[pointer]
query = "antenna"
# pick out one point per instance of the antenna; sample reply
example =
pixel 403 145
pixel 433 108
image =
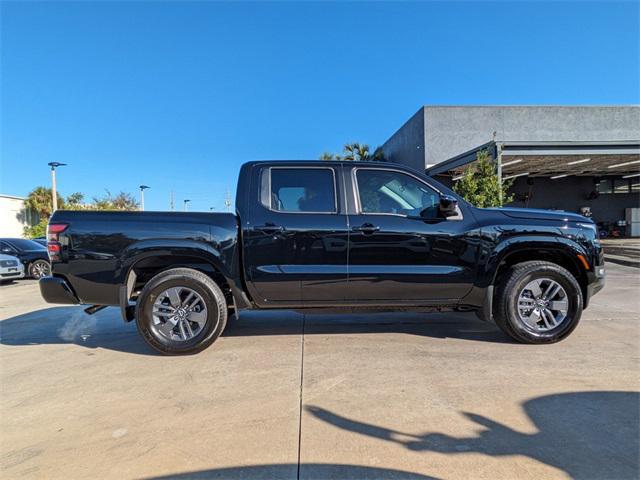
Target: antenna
pixel 171 205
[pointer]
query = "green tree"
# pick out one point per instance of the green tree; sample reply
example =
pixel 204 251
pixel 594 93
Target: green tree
pixel 378 155
pixel 329 156
pixel 37 230
pixel 39 200
pixel 121 201
pixel 480 184
pixel 355 152
pixel 74 201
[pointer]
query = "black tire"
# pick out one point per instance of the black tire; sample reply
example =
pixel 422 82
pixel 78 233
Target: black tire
pixel 39 269
pixel 506 302
pixel 211 295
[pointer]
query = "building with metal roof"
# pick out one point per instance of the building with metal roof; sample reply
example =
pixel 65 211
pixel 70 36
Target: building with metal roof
pixel 582 158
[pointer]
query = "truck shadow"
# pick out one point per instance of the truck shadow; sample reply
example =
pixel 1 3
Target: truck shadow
pixel 105 329
pixel 464 326
pixel 70 325
pixel 585 434
pixel 309 471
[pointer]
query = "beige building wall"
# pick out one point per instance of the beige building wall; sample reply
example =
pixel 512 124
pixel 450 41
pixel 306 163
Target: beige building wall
pixel 14 216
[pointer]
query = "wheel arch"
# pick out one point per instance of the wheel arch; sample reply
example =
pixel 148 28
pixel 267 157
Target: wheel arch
pixel 561 254
pixel 141 262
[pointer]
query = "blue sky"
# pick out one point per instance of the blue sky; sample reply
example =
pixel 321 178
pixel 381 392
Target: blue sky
pixel 178 95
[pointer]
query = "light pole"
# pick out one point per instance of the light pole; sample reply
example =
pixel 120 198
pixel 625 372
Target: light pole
pixel 54 193
pixel 142 189
pixel 185 204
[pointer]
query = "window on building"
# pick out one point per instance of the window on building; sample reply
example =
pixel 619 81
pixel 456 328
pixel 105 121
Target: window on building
pixel 621 186
pixel 301 190
pixel 605 186
pixel 384 191
pixel 617 185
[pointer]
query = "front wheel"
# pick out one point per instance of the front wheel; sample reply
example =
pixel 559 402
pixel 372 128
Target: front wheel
pixel 39 269
pixel 538 302
pixel 181 311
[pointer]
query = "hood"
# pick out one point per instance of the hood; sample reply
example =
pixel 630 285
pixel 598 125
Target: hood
pixel 540 214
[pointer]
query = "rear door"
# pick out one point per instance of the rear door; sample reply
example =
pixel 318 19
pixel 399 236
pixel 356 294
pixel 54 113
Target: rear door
pixel 397 256
pixel 295 243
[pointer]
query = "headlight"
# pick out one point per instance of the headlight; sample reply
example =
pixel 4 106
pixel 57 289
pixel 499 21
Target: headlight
pixel 590 226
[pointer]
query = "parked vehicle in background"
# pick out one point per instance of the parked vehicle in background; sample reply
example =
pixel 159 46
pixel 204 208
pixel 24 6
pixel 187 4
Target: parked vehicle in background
pixel 329 234
pixel 41 240
pixel 31 254
pixel 11 268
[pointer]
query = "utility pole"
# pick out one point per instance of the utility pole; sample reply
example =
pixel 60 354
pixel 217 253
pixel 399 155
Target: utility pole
pixel 142 189
pixel 54 192
pixel 171 205
pixel 227 200
pixel 185 204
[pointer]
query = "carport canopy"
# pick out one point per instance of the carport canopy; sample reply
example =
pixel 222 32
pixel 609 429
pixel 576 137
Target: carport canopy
pixel 551 159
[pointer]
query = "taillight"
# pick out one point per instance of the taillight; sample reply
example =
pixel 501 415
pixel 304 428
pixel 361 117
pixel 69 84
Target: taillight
pixel 53 239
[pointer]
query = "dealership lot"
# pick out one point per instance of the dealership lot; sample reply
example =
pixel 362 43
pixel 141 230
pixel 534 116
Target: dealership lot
pixel 286 395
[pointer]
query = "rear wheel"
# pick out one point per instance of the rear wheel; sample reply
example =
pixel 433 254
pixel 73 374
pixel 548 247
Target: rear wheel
pixel 181 311
pixel 538 302
pixel 39 269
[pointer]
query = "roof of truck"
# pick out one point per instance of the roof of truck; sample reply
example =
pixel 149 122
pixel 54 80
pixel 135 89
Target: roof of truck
pixel 330 162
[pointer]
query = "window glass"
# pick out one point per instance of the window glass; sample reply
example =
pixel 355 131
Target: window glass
pixel 621 186
pixel 22 244
pixel 5 248
pixel 383 191
pixel 605 186
pixel 302 190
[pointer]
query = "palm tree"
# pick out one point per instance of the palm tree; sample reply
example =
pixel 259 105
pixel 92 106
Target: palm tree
pixel 40 201
pixel 356 152
pixel 330 156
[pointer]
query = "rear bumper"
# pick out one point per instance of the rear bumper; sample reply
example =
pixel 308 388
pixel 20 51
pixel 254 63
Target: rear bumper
pixel 56 290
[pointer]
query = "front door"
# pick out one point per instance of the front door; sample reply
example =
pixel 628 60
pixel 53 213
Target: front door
pixel 400 250
pixel 296 245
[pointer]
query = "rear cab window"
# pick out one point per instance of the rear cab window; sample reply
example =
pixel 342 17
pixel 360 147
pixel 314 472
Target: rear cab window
pixel 299 189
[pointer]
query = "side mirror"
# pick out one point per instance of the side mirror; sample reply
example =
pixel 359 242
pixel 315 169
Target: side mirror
pixel 448 206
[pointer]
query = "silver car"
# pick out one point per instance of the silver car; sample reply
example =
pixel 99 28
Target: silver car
pixel 10 268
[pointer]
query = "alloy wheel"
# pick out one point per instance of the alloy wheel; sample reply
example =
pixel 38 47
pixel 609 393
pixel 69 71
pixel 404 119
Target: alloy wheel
pixel 39 269
pixel 179 313
pixel 543 304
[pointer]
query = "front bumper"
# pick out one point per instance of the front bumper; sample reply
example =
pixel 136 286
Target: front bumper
pixel 57 290
pixel 596 283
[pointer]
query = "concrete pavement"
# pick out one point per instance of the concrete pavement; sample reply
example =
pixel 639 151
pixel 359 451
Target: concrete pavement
pixel 282 395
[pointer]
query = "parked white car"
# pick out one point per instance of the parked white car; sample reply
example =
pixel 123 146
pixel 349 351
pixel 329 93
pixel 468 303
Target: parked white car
pixel 11 268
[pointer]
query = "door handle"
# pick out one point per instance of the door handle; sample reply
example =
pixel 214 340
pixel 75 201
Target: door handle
pixel 269 228
pixel 366 228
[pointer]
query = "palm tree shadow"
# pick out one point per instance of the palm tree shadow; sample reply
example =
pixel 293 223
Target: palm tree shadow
pixel 586 434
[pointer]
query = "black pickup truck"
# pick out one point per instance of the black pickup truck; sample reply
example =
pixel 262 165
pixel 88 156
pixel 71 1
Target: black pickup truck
pixel 311 234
